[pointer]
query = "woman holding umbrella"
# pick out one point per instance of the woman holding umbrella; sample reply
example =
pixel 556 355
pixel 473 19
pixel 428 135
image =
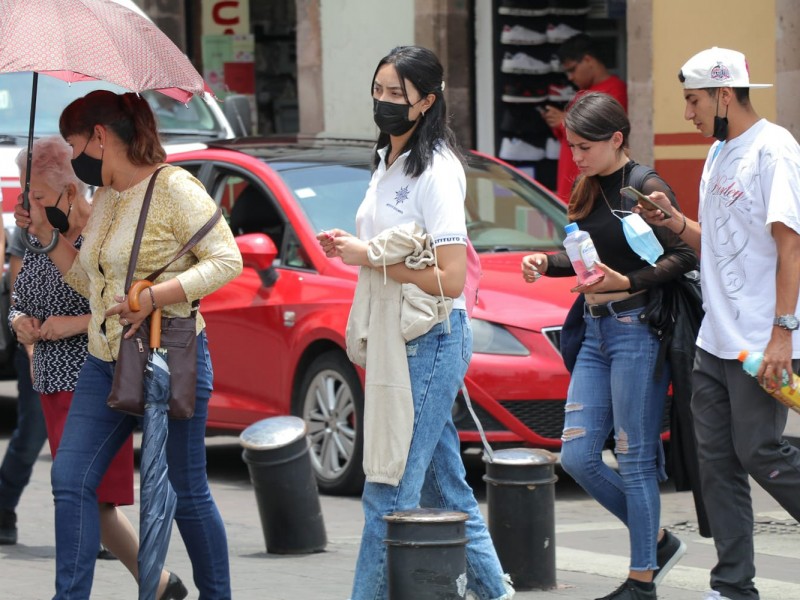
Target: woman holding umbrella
pixel 116 148
pixel 51 318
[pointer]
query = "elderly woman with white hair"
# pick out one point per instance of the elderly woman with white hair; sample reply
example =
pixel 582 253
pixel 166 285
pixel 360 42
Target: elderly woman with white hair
pixel 50 317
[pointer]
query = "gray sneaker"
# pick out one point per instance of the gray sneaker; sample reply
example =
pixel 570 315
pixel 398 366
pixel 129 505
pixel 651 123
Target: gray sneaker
pixel 8 527
pixel 669 551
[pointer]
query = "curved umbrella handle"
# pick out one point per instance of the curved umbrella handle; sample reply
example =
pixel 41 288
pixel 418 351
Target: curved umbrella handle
pixel 155 318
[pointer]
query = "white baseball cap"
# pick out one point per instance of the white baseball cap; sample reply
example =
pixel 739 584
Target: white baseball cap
pixel 717 67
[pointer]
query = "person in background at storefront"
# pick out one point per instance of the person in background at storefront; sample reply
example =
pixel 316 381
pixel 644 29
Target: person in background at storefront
pixel 584 66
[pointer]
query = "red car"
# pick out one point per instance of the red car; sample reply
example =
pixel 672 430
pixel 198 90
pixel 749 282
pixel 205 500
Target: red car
pixel 277 332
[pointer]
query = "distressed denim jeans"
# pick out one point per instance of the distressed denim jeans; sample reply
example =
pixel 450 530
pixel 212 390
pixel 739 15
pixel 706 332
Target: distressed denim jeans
pixel 613 389
pixel 92 435
pixel 434 476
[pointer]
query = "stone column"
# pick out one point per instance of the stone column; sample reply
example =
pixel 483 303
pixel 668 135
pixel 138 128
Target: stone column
pixel 787 69
pixel 445 27
pixel 639 24
pixel 310 95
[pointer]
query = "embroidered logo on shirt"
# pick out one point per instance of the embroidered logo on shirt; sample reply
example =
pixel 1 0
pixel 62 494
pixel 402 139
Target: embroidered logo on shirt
pixel 401 195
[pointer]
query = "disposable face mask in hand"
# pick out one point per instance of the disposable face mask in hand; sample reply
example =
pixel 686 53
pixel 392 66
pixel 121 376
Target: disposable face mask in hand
pixel 641 238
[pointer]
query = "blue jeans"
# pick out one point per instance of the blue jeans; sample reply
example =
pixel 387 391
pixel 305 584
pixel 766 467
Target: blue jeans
pixel 613 388
pixel 92 435
pixel 434 476
pixel 27 440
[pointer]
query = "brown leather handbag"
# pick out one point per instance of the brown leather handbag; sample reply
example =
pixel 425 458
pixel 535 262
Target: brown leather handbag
pixel 178 336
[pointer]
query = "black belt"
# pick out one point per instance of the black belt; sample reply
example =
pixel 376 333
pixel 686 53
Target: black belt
pixel 604 310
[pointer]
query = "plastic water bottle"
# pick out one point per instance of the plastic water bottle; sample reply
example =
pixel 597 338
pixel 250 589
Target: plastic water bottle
pixel 582 254
pixel 751 361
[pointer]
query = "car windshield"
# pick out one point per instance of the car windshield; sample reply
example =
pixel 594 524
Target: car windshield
pixel 505 211
pixel 176 121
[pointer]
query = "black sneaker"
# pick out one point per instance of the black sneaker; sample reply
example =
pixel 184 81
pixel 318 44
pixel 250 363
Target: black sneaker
pixel 105 554
pixel 669 551
pixel 8 527
pixel 630 591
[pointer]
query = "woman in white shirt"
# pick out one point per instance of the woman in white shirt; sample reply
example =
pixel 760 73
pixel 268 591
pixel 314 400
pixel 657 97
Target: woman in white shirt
pixel 419 178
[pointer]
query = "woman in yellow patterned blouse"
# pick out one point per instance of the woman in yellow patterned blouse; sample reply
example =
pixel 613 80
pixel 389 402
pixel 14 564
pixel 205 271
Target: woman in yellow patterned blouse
pixel 116 148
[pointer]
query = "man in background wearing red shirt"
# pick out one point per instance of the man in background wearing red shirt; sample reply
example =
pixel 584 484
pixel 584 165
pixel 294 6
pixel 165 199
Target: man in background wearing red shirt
pixel 580 59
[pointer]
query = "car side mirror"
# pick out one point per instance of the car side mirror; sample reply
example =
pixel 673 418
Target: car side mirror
pixel 236 108
pixel 258 251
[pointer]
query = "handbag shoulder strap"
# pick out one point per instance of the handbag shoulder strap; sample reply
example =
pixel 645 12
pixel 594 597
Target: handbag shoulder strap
pixel 137 239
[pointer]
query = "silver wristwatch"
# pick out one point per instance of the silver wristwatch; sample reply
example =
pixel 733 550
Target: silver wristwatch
pixel 789 322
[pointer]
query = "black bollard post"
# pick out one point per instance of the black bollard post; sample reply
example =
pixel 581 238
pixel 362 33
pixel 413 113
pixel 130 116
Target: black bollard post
pixel 426 556
pixel 520 496
pixel 276 453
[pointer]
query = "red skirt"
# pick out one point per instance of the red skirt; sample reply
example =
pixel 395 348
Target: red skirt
pixel 116 487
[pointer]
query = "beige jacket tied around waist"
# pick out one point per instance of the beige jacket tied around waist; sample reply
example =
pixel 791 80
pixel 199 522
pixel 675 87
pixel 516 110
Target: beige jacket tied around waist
pixel 390 314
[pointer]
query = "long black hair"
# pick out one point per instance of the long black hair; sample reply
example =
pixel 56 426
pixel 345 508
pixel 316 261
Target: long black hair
pixel 422 68
pixel 596 117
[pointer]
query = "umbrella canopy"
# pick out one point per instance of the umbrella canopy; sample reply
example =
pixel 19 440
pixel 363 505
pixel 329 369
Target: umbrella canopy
pixel 78 40
pixel 157 502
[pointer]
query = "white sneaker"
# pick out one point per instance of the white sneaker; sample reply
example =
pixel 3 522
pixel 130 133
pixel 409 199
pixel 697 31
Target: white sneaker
pixel 519 150
pixel 555 63
pixel 714 595
pixel 560 93
pixel 552 149
pixel 521 36
pixel 560 33
pixel 522 63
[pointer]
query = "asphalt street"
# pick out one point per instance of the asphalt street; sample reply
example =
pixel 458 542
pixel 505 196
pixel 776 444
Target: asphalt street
pixel 591 546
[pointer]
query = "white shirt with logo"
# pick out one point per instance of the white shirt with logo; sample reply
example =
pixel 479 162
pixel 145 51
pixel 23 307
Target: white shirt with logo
pixel 748 183
pixel 434 200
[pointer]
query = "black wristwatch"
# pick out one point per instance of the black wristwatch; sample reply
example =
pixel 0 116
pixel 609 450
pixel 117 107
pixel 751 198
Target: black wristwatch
pixel 789 322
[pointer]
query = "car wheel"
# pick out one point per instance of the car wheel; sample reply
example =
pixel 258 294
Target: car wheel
pixel 332 405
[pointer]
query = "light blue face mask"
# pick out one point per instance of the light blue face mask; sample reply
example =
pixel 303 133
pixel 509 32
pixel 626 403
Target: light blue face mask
pixel 640 237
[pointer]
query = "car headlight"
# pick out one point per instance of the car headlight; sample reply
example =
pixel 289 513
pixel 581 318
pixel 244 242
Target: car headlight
pixel 490 338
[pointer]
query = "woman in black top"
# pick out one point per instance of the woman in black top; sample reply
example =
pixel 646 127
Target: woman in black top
pixel 615 385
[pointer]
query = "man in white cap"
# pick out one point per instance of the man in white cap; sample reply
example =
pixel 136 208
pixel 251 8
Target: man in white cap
pixel 750 252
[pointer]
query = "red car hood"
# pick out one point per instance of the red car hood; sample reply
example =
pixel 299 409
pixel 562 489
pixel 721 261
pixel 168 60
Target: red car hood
pixel 505 298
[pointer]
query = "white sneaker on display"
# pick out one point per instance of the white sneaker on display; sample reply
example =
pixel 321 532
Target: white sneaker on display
pixel 522 63
pixel 519 150
pixel 521 36
pixel 560 93
pixel 552 149
pixel 560 33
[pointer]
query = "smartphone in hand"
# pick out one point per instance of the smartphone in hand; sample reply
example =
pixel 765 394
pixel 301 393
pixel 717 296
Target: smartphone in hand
pixel 633 194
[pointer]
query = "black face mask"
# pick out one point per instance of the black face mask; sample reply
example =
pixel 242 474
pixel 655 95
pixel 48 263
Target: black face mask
pixel 57 217
pixel 89 170
pixel 391 118
pixel 720 124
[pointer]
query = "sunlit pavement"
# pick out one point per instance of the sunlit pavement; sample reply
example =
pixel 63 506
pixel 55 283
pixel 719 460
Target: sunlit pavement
pixel 591 551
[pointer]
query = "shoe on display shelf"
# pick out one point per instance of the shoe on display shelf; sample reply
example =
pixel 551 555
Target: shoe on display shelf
pixel 521 36
pixel 518 94
pixel 524 8
pixel 569 7
pixel 515 149
pixel 525 64
pixel 556 34
pixel 552 149
pixel 560 92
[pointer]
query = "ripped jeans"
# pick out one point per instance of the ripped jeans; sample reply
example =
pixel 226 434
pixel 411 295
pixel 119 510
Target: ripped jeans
pixel 613 388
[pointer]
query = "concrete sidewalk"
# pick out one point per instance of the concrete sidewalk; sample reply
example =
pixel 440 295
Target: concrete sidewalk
pixel 591 553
